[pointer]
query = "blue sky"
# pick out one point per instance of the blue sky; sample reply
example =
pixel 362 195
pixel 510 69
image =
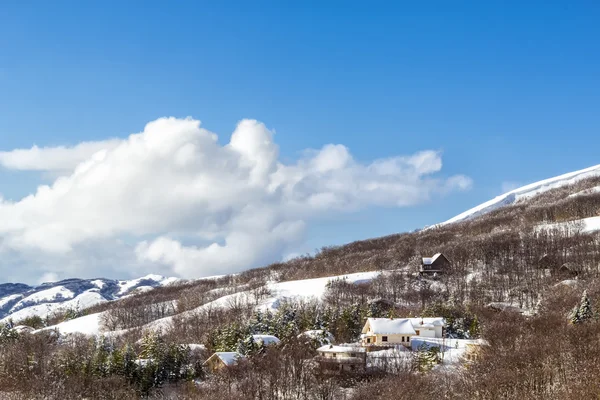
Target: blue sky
pixel 508 91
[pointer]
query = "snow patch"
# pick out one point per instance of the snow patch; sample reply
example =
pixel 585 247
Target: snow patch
pixel 5 300
pixel 49 295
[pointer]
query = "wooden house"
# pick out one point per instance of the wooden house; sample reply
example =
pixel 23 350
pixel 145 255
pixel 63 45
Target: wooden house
pixel 436 265
pixel 222 359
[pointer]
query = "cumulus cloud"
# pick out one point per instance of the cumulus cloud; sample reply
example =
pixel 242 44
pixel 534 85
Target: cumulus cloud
pixel 171 198
pixel 58 158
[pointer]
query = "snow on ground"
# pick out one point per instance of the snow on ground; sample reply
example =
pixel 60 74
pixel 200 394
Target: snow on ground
pixel 308 288
pixel 395 358
pixel 125 286
pixel 526 192
pixel 88 325
pixel 585 225
pixel 280 291
pixel 568 282
pixel 586 192
pixel 5 300
pixel 98 283
pixel 52 294
pixel 473 276
pixel 453 350
pixel 84 300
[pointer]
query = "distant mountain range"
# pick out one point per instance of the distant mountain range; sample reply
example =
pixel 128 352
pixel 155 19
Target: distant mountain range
pixel 19 301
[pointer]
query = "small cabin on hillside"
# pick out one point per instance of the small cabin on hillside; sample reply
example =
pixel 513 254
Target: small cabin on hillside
pixel 438 264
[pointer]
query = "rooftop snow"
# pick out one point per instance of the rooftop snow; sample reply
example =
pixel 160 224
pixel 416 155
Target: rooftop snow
pixel 229 357
pixel 431 260
pixel 400 326
pixel 266 339
pixel 329 348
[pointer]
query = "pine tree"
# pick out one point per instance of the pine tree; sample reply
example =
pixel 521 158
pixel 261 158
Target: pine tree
pixel 583 312
pixel 7 334
pixel 248 346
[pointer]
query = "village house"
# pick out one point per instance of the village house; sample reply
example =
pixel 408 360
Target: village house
pixel 338 359
pixel 399 331
pixel 436 265
pixel 222 359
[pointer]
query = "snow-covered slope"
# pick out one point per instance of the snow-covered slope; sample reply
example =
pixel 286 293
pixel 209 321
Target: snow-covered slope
pixel 19 301
pixel 526 192
pixel 279 292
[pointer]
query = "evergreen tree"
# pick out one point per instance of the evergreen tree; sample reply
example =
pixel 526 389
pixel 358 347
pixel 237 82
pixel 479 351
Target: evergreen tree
pixel 7 334
pixel 583 312
pixel 248 346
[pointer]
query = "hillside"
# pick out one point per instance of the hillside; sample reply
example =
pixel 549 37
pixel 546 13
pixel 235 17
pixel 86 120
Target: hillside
pixel 576 195
pixel 531 254
pixel 529 191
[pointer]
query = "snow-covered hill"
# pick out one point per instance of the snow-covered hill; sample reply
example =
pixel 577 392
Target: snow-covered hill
pixel 20 301
pixel 279 292
pixel 527 192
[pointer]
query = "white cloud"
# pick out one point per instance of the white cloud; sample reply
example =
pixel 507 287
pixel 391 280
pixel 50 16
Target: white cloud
pixel 132 203
pixel 58 158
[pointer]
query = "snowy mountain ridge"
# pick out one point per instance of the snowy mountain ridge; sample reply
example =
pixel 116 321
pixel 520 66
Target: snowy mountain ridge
pixel 19 301
pixel 526 192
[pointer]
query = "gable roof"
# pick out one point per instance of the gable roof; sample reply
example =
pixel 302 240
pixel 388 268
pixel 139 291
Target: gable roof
pixel 431 260
pixel 228 358
pixel 401 326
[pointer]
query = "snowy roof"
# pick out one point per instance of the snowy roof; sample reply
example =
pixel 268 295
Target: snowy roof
pixel 329 348
pixel 427 322
pixel 431 260
pixel 266 339
pixel 228 357
pixel 402 326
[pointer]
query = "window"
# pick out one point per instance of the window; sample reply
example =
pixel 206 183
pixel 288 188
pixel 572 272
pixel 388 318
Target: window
pixel 418 333
pixel 402 339
pixel 384 338
pixel 368 340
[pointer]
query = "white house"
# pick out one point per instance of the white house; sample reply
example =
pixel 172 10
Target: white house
pixel 428 327
pixel 399 331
